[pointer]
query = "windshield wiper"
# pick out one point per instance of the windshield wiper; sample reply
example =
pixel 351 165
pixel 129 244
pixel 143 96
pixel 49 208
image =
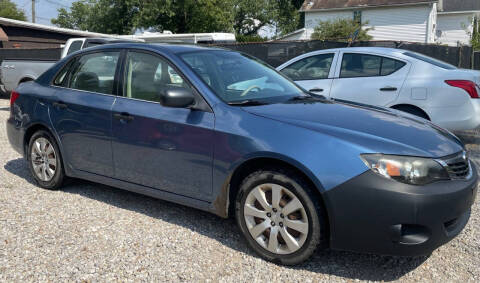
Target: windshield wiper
pixel 247 102
pixel 308 97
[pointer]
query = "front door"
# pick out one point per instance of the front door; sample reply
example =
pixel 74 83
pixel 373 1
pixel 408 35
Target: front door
pixel 81 111
pixel 164 148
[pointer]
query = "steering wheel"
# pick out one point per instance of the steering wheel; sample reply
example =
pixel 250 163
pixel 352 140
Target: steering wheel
pixel 250 89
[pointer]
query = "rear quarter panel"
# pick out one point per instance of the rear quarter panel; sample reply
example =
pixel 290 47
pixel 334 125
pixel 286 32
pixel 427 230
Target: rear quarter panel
pixel 431 78
pixel 425 88
pixel 30 109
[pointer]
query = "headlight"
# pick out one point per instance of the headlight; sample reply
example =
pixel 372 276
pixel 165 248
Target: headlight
pixel 406 169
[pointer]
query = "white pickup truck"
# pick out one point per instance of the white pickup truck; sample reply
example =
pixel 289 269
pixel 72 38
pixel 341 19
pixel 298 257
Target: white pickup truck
pixel 16 71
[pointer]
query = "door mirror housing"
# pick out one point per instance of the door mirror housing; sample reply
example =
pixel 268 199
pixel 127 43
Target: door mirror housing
pixel 178 97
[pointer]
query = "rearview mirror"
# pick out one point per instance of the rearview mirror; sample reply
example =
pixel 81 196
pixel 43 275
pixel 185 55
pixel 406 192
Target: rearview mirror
pixel 178 97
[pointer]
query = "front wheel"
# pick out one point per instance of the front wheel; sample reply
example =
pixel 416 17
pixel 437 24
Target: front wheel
pixel 279 216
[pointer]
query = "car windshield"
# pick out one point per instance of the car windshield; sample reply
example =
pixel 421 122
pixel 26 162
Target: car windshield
pixel 235 77
pixel 430 60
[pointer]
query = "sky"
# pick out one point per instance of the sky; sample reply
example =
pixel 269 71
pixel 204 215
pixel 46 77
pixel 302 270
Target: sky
pixel 45 9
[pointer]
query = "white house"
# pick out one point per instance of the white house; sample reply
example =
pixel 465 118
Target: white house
pixel 445 21
pixel 455 20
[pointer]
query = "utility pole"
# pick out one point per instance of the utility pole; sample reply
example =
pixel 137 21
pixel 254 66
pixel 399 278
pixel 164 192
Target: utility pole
pixel 33 11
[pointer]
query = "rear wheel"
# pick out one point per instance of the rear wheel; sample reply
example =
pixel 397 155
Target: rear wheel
pixel 279 216
pixel 44 160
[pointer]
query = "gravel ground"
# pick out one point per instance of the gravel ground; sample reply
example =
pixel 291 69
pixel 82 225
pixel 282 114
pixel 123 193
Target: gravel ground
pixel 90 232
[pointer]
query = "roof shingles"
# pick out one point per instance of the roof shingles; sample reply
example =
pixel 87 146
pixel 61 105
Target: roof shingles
pixel 339 4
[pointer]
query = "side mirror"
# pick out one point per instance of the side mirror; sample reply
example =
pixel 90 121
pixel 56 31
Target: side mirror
pixel 178 97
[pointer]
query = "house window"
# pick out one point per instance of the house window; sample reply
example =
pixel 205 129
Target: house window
pixel 357 17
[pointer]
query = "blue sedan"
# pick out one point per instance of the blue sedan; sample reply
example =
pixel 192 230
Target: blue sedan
pixel 223 132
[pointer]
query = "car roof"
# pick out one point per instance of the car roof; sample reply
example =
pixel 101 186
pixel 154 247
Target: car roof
pixel 384 50
pixel 164 47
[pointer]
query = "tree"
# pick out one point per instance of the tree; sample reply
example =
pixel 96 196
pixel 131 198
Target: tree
pixel 126 16
pixel 252 15
pixel 341 30
pixel 184 16
pixel 115 16
pixel 106 16
pixel 8 9
pixel 79 17
pixel 289 17
pixel 475 41
pixel 244 17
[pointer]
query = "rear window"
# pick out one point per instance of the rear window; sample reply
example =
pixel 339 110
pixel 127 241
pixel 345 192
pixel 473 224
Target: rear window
pixel 430 60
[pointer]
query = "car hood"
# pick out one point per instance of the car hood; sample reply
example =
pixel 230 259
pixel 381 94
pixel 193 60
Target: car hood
pixel 374 129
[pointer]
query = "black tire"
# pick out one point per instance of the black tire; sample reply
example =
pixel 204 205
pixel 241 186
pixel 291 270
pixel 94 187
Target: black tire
pixel 317 231
pixel 58 178
pixel 413 111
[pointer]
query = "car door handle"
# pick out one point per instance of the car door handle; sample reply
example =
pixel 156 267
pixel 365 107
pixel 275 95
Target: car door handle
pixel 316 90
pixel 388 88
pixel 60 105
pixel 123 116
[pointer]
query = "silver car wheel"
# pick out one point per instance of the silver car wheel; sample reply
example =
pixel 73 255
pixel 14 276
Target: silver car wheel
pixel 44 159
pixel 276 218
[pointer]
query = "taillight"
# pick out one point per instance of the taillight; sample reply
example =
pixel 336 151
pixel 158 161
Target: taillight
pixel 13 96
pixel 468 86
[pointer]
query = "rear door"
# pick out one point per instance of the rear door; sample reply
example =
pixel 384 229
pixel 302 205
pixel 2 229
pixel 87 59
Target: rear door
pixel 369 78
pixel 165 148
pixel 312 72
pixel 81 111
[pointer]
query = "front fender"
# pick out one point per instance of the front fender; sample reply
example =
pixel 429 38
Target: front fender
pixel 326 160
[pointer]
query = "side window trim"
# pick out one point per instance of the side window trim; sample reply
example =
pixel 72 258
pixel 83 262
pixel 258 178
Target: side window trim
pixel 201 101
pixel 118 78
pixel 340 61
pixel 76 57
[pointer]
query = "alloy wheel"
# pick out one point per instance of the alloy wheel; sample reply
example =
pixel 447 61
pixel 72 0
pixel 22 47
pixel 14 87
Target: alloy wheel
pixel 44 159
pixel 276 218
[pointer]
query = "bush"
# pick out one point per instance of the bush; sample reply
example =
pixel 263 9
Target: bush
pixel 341 30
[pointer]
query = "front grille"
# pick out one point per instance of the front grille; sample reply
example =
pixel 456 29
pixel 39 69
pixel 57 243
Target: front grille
pixel 458 165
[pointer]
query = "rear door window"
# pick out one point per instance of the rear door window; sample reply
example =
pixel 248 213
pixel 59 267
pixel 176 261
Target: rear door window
pixel 365 65
pixel 390 66
pixel 94 72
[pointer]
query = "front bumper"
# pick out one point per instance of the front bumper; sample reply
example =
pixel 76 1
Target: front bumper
pixel 375 215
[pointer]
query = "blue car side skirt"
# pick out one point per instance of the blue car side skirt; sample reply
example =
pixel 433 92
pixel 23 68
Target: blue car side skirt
pixel 155 193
